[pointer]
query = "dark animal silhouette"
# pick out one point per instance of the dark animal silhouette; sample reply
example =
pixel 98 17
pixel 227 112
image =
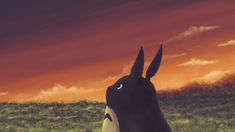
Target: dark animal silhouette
pixel 134 99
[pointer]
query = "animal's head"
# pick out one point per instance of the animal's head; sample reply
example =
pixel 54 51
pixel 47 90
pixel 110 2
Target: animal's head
pixel 133 91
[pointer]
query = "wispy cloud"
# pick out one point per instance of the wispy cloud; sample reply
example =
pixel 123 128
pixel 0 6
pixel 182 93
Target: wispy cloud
pixel 125 71
pixel 197 62
pixel 212 76
pixel 191 31
pixel 228 43
pixel 110 78
pixel 3 93
pixel 172 56
pixel 62 93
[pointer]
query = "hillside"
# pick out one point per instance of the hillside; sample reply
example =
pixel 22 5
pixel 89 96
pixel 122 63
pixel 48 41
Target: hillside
pixel 194 108
pixel 201 107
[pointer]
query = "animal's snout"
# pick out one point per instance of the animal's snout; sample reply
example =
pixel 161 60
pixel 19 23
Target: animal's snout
pixel 108 90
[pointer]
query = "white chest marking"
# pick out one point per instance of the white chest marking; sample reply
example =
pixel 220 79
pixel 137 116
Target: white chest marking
pixel 110 126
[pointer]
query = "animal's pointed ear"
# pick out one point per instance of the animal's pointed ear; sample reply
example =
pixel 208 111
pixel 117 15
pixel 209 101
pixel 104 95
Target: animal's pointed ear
pixel 153 67
pixel 138 66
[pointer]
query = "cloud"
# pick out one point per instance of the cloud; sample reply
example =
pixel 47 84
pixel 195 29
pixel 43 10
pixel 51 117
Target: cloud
pixel 198 62
pixel 125 71
pixel 191 31
pixel 62 93
pixel 172 56
pixel 213 76
pixel 110 78
pixel 3 93
pixel 228 43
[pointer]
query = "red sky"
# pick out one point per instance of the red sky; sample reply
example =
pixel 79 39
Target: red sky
pixel 71 50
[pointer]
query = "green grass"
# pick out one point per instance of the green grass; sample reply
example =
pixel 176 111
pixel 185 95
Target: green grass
pixel 201 114
pixel 196 108
pixel 194 114
pixel 59 117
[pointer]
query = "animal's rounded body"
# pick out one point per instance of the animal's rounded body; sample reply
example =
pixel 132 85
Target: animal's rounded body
pixel 133 103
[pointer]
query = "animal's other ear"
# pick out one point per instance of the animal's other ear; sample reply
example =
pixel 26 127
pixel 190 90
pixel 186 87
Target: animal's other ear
pixel 153 67
pixel 138 66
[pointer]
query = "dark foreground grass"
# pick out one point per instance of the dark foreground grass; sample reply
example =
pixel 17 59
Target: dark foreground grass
pixel 199 108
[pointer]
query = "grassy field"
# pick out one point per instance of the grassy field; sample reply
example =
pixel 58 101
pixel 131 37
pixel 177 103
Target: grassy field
pixel 196 108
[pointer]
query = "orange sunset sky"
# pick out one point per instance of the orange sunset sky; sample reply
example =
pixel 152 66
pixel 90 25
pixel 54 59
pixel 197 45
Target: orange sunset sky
pixel 72 50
